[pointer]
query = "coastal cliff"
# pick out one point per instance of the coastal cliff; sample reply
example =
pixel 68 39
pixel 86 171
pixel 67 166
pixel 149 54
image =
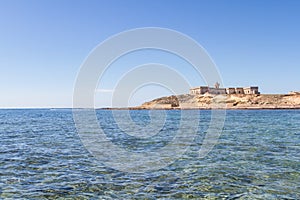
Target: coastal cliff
pixel 229 101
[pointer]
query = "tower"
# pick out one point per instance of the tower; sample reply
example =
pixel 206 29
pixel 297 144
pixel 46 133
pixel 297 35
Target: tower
pixel 217 85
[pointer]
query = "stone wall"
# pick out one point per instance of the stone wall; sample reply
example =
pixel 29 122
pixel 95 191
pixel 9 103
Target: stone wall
pixel 217 91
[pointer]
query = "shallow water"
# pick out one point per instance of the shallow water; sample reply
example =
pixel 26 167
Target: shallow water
pixel 257 157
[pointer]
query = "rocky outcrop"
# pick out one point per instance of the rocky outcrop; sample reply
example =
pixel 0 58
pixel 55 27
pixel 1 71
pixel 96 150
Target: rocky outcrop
pixel 230 101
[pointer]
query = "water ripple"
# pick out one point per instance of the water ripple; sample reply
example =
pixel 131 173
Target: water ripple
pixel 257 157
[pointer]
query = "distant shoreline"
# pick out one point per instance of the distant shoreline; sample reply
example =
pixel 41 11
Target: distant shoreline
pixel 133 108
pixel 207 102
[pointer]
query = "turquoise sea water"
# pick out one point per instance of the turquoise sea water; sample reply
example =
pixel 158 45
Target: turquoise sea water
pixel 257 157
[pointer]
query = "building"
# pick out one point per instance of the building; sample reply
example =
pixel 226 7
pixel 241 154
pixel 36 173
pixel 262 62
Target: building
pixel 239 90
pixel 230 90
pixel 218 90
pixel 251 90
pixel 199 90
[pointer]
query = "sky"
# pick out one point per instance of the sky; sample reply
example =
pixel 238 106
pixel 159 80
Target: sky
pixel 44 43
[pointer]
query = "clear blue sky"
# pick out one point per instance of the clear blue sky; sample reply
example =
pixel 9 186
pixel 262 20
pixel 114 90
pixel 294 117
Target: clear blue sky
pixel 43 43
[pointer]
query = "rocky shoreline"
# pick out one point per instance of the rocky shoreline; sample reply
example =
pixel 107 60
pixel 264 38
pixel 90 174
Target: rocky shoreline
pixel 229 101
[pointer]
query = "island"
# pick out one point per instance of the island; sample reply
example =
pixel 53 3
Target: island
pixel 205 97
pixel 228 101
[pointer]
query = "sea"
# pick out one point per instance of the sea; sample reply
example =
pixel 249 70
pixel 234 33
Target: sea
pixel 255 156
